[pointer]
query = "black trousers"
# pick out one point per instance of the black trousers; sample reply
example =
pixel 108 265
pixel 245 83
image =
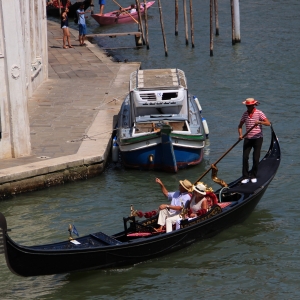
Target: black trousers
pixel 248 145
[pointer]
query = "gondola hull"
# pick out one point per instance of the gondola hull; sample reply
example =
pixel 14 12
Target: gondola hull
pixel 97 251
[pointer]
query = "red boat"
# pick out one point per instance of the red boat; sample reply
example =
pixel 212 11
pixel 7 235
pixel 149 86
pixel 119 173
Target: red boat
pixel 121 16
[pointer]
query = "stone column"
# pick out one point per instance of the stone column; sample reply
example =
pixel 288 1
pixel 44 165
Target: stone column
pixel 32 31
pixel 44 39
pixel 5 142
pixel 15 72
pixel 26 40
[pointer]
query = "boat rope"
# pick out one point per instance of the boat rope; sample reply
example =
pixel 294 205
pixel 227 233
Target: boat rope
pixel 126 12
pixel 114 99
pixel 92 137
pixel 85 136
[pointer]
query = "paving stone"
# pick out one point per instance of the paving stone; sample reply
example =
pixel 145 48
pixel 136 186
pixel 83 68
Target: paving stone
pixel 81 84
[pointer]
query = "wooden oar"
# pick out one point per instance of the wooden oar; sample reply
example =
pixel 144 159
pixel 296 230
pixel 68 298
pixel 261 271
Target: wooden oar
pixel 126 12
pixel 224 154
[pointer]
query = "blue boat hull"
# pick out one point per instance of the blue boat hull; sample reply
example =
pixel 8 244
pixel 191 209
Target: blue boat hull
pixel 140 159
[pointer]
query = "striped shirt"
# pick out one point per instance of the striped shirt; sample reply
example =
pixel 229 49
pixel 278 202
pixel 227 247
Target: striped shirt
pixel 249 121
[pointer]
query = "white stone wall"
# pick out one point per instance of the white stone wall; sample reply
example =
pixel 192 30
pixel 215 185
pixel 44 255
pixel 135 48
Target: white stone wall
pixel 23 67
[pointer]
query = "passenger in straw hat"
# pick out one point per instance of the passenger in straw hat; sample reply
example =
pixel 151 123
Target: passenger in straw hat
pixel 254 139
pixel 169 213
pixel 199 203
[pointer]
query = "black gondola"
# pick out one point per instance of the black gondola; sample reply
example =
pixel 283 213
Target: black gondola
pixel 138 241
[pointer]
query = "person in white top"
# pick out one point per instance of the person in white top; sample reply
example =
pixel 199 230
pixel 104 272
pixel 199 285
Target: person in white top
pixel 170 213
pixel 132 8
pixel 198 205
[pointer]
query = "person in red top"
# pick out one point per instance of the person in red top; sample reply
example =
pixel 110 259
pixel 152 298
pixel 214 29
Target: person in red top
pixel 254 138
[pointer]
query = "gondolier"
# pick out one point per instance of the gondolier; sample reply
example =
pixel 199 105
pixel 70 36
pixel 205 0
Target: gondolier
pixel 254 139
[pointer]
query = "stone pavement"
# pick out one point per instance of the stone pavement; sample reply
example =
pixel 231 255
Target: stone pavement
pixel 72 116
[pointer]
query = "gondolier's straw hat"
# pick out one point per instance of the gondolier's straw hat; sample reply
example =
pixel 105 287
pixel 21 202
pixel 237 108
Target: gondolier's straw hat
pixel 251 101
pixel 187 185
pixel 200 188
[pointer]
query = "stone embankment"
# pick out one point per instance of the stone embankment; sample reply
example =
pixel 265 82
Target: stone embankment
pixel 72 116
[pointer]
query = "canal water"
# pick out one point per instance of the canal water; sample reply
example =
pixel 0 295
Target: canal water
pixel 258 259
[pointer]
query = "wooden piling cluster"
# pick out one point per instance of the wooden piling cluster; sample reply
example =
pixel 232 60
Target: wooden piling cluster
pixel 235 21
pixel 143 38
pixel 213 10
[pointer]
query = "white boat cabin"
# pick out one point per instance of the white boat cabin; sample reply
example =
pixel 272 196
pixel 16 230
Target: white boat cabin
pixel 158 94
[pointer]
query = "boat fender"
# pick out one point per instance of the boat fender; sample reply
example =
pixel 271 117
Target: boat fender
pixel 205 126
pixel 115 150
pixel 198 104
pixel 151 158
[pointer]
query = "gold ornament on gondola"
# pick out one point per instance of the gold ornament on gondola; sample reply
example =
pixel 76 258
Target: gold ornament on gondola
pixel 183 212
pixel 70 232
pixel 214 174
pixel 133 212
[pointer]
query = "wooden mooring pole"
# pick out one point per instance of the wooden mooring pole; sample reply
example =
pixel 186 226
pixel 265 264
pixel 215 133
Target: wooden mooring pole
pixel 140 20
pixel 176 17
pixel 216 16
pixel 237 33
pixel 59 7
pixel 192 23
pixel 92 7
pixel 146 24
pixel 211 28
pixel 232 23
pixel 185 23
pixel 162 27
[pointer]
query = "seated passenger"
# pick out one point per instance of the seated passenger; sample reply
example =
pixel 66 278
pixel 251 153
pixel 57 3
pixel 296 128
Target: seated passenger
pixel 199 203
pixel 169 214
pixel 120 11
pixel 132 9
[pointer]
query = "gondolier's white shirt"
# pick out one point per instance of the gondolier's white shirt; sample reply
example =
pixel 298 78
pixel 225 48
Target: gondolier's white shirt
pixel 177 199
